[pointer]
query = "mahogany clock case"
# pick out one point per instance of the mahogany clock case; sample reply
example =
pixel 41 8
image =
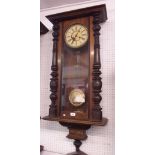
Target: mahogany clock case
pixel 64 56
pixel 77 68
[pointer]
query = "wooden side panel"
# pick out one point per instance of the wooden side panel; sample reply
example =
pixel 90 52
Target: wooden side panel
pixel 59 67
pixel 91 64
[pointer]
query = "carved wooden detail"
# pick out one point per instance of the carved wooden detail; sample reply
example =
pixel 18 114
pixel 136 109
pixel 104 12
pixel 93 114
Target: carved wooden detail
pixel 97 83
pixel 54 74
pixel 77 144
pixel 76 131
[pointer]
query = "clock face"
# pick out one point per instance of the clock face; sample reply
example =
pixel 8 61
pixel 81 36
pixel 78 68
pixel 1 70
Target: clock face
pixel 76 36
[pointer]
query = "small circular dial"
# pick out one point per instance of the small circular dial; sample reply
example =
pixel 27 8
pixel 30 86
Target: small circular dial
pixel 76 36
pixel 77 97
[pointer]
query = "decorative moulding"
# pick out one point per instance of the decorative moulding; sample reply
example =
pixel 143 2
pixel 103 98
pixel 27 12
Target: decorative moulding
pixel 64 8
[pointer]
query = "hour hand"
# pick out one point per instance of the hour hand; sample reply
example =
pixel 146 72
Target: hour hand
pixel 72 37
pixel 76 34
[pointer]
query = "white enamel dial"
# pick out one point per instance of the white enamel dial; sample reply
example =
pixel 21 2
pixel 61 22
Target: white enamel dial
pixel 76 36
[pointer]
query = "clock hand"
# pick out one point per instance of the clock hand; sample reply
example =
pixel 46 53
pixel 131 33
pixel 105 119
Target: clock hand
pixel 76 34
pixel 79 30
pixel 73 38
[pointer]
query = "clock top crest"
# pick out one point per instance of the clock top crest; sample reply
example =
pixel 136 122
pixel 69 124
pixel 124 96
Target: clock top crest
pixel 75 82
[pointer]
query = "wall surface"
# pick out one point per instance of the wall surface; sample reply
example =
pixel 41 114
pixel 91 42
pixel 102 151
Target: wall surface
pixel 54 3
pixel 100 139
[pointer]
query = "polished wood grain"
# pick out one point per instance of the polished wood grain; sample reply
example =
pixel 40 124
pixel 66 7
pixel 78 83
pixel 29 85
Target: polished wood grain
pixel 91 65
pixel 59 63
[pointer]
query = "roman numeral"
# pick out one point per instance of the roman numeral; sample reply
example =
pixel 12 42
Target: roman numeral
pixel 82 38
pixel 82 31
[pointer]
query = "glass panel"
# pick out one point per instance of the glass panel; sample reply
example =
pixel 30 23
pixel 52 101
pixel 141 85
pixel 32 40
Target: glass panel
pixel 74 83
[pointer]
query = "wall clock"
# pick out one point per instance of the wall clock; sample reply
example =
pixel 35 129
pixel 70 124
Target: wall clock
pixel 75 79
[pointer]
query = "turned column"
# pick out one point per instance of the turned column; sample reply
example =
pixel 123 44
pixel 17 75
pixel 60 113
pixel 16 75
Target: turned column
pixel 54 73
pixel 97 83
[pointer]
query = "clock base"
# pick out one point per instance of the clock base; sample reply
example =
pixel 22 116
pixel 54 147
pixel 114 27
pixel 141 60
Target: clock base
pixel 77 144
pixel 77 153
pixel 76 131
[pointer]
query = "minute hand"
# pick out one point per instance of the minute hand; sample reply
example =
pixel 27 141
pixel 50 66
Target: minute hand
pixel 77 32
